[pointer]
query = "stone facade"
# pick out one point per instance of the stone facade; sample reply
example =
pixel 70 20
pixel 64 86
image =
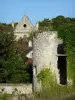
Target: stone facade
pixel 24 27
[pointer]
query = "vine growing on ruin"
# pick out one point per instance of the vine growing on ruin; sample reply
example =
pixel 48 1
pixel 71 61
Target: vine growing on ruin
pixel 65 26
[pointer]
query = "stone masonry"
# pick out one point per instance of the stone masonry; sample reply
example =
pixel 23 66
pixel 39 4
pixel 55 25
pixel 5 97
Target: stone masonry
pixel 45 54
pixel 24 27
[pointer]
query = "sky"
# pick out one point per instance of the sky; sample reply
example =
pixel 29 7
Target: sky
pixel 36 10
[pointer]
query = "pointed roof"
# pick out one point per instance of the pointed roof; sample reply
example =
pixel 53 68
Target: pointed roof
pixel 24 25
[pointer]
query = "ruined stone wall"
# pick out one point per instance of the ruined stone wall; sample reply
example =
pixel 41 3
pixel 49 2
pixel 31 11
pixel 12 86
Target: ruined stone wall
pixel 20 88
pixel 45 52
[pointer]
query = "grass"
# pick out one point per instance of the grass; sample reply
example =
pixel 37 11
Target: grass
pixel 56 92
pixel 5 96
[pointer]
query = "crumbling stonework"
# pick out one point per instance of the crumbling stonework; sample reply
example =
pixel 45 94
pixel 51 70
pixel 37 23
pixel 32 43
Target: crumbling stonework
pixel 45 53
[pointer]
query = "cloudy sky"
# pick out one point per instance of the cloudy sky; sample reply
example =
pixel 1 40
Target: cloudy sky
pixel 36 10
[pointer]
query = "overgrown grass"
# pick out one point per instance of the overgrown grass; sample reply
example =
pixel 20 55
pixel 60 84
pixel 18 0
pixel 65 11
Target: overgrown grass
pixel 51 90
pixel 56 92
pixel 5 96
pixel 15 95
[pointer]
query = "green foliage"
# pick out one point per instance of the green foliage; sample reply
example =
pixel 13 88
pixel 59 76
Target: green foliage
pixel 33 34
pixel 46 77
pixel 6 44
pixel 15 95
pixel 66 31
pixel 13 70
pixel 46 25
pixel 6 27
pixel 70 50
pixel 5 96
pixel 22 45
pixel 56 92
pixel 12 60
pixel 18 74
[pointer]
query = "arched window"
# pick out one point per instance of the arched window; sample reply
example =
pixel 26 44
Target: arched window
pixel 61 49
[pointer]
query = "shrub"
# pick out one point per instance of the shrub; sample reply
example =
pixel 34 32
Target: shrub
pixel 46 77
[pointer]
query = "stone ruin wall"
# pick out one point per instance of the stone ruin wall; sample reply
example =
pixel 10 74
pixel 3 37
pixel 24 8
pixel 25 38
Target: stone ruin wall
pixel 45 51
pixel 20 88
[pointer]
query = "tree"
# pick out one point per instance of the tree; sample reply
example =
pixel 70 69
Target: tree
pixel 46 25
pixel 12 66
pixel 6 44
pixel 66 31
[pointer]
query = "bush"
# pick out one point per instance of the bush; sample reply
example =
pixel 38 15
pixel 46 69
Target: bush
pixel 46 77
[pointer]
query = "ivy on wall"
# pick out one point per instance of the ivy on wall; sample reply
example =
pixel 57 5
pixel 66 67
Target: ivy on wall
pixel 66 31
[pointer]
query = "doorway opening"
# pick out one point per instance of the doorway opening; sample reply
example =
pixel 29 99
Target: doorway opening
pixel 62 64
pixel 62 69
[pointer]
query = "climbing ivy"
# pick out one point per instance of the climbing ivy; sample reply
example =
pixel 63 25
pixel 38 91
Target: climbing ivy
pixel 66 31
pixel 65 26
